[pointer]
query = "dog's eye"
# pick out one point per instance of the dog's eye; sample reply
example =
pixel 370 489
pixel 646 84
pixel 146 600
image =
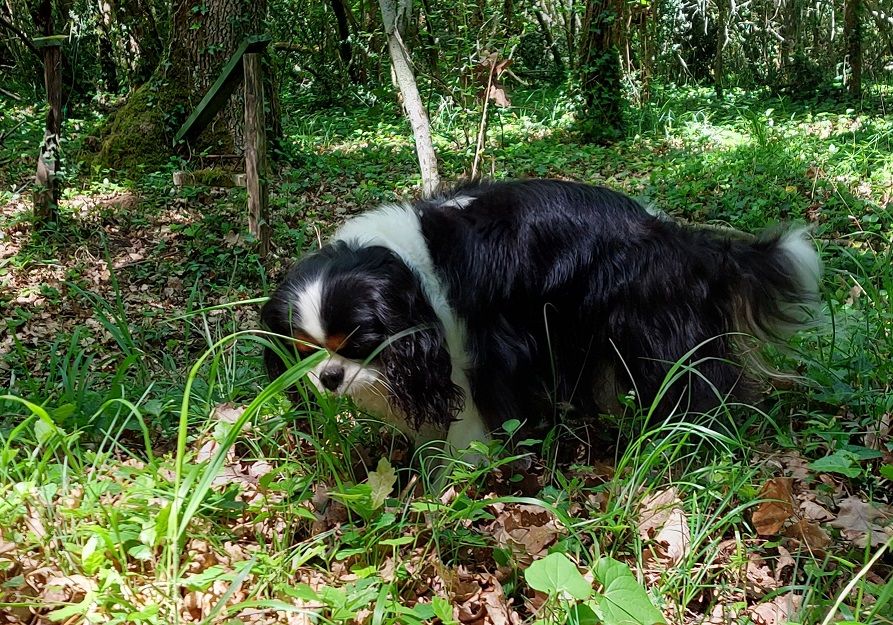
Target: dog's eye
pixel 352 351
pixel 359 348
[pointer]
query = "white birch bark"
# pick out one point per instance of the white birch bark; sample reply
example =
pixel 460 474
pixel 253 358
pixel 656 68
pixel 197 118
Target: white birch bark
pixel 395 14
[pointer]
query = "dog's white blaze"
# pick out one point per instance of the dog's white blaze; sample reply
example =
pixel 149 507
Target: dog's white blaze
pixel 397 228
pixel 309 306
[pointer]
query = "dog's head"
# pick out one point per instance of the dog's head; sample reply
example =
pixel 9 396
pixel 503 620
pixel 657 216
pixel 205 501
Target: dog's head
pixel 368 310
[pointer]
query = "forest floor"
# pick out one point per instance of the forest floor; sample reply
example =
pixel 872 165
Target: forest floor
pixel 148 474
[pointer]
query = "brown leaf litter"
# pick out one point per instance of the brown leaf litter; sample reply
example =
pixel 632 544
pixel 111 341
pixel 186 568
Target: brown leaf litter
pixel 663 522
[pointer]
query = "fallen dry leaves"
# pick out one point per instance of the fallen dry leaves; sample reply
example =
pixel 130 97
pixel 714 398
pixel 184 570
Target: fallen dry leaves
pixel 778 506
pixel 478 599
pixel 42 300
pixel 776 612
pixel 864 522
pixel 524 529
pixel 798 515
pixel 793 511
pixel 663 522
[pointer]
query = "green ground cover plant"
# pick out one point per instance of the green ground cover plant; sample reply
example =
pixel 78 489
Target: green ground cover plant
pixel 150 473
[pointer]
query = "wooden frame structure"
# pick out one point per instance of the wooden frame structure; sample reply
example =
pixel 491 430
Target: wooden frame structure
pixel 49 161
pixel 245 63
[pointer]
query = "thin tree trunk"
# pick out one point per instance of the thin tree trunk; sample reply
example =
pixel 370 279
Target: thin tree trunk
pixel 790 32
pixel 647 52
pixel 508 15
pixel 109 56
pixel 572 32
pixel 431 44
pixel 395 17
pixel 852 28
pixel 345 50
pixel 46 193
pixel 722 36
pixel 46 196
pixel 550 41
pixel 482 130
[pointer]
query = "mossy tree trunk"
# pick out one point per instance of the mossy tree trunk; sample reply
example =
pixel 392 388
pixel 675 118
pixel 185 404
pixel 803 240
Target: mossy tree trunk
pixel 599 67
pixel 203 35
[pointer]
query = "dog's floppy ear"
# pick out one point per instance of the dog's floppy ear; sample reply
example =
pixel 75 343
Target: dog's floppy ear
pixel 417 367
pixel 273 363
pixel 275 318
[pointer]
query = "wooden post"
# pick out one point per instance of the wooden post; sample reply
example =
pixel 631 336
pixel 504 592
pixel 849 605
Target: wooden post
pixel 46 195
pixel 256 169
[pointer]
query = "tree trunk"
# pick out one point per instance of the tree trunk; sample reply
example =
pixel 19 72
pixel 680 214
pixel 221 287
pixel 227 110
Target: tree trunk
pixel 42 14
pixel 345 51
pixel 396 17
pixel 649 17
pixel 430 43
pixel 550 41
pixel 47 191
pixel 852 30
pixel 790 33
pixel 108 55
pixel 722 36
pixel 202 38
pixel 129 31
pixel 201 43
pixel 571 31
pixel 600 76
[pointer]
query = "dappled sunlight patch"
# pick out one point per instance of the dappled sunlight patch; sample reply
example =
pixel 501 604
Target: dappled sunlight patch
pixel 716 137
pixel 105 275
pixel 90 207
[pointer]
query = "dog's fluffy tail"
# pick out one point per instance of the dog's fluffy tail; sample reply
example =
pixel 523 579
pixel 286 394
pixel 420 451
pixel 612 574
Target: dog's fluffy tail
pixel 778 292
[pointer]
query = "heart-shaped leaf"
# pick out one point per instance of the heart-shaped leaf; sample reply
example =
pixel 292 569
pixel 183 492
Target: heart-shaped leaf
pixel 557 574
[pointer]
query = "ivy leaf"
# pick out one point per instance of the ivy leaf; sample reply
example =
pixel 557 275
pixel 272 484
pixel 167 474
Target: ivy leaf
pixel 557 574
pixel 92 555
pixel 841 461
pixel 382 481
pixel 43 431
pixel 623 600
pixel 511 426
pixel 141 552
pixel 582 614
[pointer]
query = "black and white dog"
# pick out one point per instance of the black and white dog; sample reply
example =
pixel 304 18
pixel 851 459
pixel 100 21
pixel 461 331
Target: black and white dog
pixel 504 300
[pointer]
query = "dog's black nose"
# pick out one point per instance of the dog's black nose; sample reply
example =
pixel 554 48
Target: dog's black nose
pixel 331 377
